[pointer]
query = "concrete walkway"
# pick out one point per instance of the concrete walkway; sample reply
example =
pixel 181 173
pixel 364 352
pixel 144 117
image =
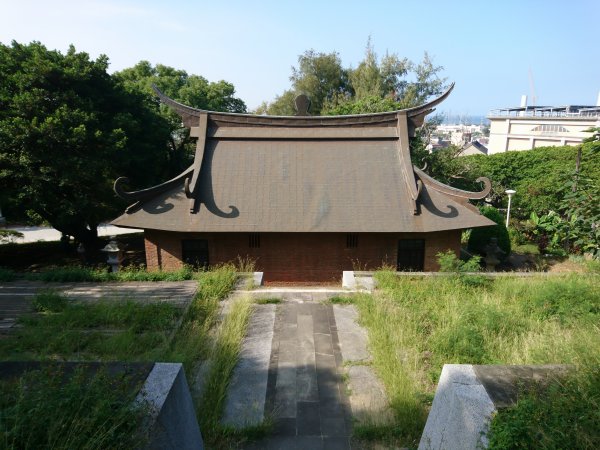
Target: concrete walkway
pixel 305 394
pixel 293 364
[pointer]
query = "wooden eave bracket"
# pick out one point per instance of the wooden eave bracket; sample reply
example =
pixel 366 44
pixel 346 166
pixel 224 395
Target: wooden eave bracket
pixel 405 163
pixel 145 194
pixel 191 186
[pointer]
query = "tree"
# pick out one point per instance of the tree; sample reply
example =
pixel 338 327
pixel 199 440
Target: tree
pixel 376 85
pixel 67 130
pixel 320 76
pixel 192 90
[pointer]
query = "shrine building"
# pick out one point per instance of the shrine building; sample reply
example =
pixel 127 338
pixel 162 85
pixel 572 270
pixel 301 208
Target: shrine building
pixel 305 197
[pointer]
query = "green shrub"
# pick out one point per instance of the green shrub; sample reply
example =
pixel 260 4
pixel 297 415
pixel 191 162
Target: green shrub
pixel 7 274
pixel 480 237
pixel 449 262
pixel 535 174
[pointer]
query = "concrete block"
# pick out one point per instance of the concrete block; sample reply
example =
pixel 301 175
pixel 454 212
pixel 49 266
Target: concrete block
pixel 248 386
pixel 172 422
pixel 348 281
pixel 257 278
pixel 467 396
pixel 461 411
pixel 352 337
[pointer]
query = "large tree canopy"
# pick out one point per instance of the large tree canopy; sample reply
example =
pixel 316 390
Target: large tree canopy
pixel 67 130
pixel 376 85
pixel 192 90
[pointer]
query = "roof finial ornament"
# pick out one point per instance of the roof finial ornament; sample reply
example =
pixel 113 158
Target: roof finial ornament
pixel 302 105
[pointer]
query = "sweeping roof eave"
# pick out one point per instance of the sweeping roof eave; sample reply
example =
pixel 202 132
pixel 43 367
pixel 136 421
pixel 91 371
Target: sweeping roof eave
pixel 416 114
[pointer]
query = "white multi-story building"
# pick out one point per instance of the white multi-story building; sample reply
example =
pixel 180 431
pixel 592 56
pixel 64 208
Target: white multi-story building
pixel 527 127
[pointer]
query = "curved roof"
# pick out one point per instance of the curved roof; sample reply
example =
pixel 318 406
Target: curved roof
pixel 302 174
pixel 415 115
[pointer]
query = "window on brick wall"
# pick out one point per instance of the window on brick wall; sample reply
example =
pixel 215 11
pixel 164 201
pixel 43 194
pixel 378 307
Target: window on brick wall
pixel 411 255
pixel 254 240
pixel 195 252
pixel 351 240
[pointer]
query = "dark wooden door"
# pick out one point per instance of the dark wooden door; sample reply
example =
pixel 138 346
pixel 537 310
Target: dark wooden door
pixel 195 252
pixel 411 255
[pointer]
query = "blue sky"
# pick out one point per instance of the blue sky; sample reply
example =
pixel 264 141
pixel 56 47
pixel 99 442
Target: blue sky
pixel 489 48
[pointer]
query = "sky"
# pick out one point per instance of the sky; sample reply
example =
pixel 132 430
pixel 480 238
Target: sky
pixel 495 51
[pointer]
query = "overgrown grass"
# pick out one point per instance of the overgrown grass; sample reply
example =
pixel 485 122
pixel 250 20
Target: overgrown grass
pixel 102 330
pixel 82 274
pixel 416 325
pixel 7 274
pixel 131 331
pixel 44 409
pixel 223 359
pixel 341 300
pixel 192 341
pixel 564 415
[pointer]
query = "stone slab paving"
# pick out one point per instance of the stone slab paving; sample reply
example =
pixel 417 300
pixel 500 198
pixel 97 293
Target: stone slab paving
pixel 15 297
pixel 305 395
pixel 246 396
pixel 368 399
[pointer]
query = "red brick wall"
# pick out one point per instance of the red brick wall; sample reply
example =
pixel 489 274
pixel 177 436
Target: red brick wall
pixel 298 256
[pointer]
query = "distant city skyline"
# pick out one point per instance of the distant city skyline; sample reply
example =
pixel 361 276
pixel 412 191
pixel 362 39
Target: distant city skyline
pixel 494 51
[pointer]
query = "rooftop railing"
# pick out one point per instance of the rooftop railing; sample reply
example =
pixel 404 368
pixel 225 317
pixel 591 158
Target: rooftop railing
pixel 544 113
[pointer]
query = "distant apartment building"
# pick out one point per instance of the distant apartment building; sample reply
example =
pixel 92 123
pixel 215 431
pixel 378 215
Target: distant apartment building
pixel 459 135
pixel 526 127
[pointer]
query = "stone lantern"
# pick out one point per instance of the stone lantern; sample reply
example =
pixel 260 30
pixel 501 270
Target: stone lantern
pixel 493 254
pixel 114 255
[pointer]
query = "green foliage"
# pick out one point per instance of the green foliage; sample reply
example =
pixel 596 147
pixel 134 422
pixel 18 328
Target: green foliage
pixel 191 343
pixel 7 236
pixel 581 208
pixel 46 409
pixel 537 175
pixel 463 269
pixel 565 414
pixel 224 358
pixel 480 237
pixel 83 274
pixel 192 90
pixel 365 105
pixel 76 331
pixel 321 77
pixel 49 301
pixel 449 262
pixel 67 130
pixel 570 302
pixel 7 274
pixel 376 85
pixel 574 229
pixel 418 324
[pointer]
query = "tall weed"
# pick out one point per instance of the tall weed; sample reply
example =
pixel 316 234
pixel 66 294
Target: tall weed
pixel 418 324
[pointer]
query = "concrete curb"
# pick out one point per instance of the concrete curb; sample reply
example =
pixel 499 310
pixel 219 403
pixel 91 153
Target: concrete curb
pixel 172 421
pixel 468 395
